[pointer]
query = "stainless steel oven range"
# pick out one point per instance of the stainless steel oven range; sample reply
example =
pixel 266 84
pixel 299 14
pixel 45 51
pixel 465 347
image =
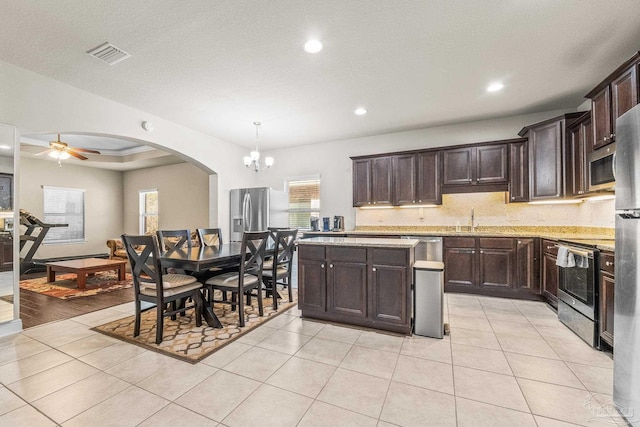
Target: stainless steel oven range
pixel 578 290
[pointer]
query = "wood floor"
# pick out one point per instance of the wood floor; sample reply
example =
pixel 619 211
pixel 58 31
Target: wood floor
pixel 36 309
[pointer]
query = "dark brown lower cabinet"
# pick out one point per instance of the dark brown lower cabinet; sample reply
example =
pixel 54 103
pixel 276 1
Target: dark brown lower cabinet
pixel 497 264
pixel 356 285
pixel 607 286
pixel 550 272
pixel 494 266
pixel 527 256
pixel 460 263
pixel 347 288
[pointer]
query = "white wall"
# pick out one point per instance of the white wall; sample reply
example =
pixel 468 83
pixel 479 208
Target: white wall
pixel 183 196
pixel 103 202
pixel 37 104
pixel 331 161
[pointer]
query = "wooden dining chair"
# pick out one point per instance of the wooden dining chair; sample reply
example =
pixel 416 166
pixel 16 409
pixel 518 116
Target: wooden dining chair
pixel 209 236
pixel 248 276
pixel 151 285
pixel 173 240
pixel 279 272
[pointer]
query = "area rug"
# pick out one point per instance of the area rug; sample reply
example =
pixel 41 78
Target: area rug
pixel 66 285
pixel 183 340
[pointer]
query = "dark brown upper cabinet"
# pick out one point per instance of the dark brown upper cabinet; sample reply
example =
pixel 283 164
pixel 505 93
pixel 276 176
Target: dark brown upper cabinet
pixel 362 182
pixel 547 156
pixel 400 179
pixel 614 96
pixel 482 167
pixel 382 180
pixel 428 188
pixel 372 181
pixel 519 171
pixel 404 186
pixel 580 142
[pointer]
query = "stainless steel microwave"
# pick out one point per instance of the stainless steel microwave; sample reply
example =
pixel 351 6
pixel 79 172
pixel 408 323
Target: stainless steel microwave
pixel 601 169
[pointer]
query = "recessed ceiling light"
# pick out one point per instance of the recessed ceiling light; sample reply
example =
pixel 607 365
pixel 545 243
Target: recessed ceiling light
pixel 313 46
pixel 360 111
pixel 495 87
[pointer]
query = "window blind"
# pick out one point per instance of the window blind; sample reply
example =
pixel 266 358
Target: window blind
pixel 304 202
pixel 64 206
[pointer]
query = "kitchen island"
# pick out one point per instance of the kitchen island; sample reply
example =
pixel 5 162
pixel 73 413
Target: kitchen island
pixel 358 281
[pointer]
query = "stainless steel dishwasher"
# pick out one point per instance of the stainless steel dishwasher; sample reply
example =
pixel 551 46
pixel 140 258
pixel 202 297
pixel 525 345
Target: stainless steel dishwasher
pixel 429 248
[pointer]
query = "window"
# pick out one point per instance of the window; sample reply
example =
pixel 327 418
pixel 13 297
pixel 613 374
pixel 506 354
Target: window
pixel 304 201
pixel 64 206
pixel 148 211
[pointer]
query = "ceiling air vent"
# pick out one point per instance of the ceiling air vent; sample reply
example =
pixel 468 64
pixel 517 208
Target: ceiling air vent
pixel 109 53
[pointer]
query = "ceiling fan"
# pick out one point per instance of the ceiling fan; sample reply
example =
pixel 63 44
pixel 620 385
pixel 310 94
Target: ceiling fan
pixel 60 150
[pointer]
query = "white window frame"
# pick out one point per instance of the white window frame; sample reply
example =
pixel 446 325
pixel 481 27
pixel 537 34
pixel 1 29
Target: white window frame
pixel 49 217
pixel 287 182
pixel 142 213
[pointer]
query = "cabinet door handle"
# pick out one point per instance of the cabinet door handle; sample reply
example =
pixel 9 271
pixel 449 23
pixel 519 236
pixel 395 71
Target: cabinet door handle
pixel 374 269
pixel 605 139
pixel 321 265
pixel 519 242
pixel 481 252
pixel 608 263
pixel 612 136
pixel 419 201
pixel 473 252
pixel 330 265
pixel 414 201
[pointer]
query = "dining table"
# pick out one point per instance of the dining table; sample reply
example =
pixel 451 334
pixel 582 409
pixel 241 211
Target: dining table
pixel 198 259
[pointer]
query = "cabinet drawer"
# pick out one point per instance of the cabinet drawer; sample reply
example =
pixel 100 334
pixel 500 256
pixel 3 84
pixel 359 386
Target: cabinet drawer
pixel 309 252
pixel 347 254
pixel 459 242
pixel 607 262
pixel 496 243
pixel 550 247
pixel 389 256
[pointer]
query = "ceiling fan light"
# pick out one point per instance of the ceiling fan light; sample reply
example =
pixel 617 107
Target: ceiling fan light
pixel 54 154
pixel 64 155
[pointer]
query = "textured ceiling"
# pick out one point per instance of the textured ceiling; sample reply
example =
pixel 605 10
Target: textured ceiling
pixel 219 66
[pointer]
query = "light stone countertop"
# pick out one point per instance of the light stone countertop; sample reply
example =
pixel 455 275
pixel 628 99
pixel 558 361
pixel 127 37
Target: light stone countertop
pixel 370 242
pixel 587 236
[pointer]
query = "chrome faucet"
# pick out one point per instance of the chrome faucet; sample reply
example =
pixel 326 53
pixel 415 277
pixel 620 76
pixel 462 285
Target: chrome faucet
pixel 473 220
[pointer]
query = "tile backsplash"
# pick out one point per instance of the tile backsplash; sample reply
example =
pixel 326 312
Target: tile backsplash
pixel 491 210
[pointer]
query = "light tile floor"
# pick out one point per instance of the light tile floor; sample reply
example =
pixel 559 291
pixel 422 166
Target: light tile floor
pixel 506 363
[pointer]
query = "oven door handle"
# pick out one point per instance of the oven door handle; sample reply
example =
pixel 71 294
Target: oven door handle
pixel 587 254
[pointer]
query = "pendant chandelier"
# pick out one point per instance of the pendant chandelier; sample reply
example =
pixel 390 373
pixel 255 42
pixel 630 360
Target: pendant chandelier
pixel 252 161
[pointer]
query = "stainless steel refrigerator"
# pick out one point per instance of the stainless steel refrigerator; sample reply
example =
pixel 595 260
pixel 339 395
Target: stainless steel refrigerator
pixel 255 209
pixel 626 350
